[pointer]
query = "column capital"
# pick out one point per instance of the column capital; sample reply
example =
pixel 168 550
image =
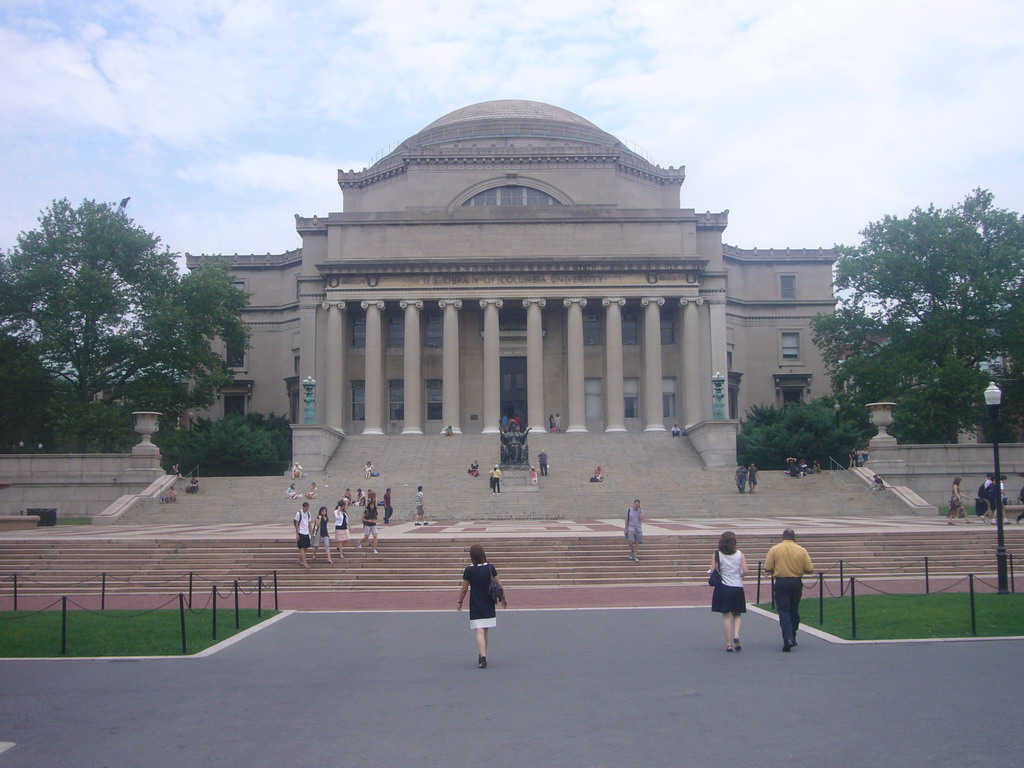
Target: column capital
pixel 498 303
pixel 574 300
pixel 378 303
pixel 607 301
pixel 539 302
pixel 684 300
pixel 406 303
pixel 659 300
pixel 716 299
pixel 334 303
pixel 457 303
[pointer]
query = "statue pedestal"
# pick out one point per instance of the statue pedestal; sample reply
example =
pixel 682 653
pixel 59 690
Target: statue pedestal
pixel 516 480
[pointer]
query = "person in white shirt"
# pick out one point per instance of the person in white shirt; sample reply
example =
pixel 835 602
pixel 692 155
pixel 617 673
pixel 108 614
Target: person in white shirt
pixel 301 522
pixel 420 512
pixel 341 531
pixel 729 598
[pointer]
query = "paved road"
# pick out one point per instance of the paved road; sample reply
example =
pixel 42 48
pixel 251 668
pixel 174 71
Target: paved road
pixel 617 688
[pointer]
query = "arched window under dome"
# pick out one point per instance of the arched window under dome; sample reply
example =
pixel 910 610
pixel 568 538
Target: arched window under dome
pixel 512 195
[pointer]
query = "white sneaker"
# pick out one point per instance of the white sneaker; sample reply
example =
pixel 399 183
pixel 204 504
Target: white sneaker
pixel 426 523
pixel 360 545
pixel 376 552
pixel 417 523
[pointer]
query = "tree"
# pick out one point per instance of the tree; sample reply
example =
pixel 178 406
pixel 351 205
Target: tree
pixel 929 307
pixel 235 445
pixel 109 318
pixel 811 431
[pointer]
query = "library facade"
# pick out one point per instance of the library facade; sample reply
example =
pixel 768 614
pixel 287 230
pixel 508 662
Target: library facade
pixel 513 260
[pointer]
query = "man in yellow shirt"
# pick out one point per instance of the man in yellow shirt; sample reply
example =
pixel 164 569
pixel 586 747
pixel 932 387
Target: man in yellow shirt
pixel 495 479
pixel 788 562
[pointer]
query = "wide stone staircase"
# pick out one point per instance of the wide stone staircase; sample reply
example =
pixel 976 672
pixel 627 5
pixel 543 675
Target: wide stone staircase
pixel 162 567
pixel 664 472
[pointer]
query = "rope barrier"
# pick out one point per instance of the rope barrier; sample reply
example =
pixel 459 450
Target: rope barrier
pixel 106 615
pixel 27 614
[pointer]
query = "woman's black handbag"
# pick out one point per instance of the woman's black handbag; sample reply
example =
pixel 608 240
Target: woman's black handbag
pixel 715 578
pixel 495 591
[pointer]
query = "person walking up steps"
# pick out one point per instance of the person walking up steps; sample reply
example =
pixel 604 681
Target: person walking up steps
pixel 788 562
pixel 301 523
pixel 495 479
pixel 482 603
pixel 418 502
pixel 634 529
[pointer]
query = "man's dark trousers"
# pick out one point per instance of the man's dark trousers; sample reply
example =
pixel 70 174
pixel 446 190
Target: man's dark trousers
pixel 788 591
pixel 544 469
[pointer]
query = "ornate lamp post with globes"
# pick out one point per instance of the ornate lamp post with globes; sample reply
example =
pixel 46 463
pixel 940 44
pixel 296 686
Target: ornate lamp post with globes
pixel 993 399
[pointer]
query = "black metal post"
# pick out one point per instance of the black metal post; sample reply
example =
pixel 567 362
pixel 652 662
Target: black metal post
pixel 259 598
pixel 275 590
pixel 772 585
pixel 993 411
pixel 927 586
pixel 181 614
pixel 63 626
pixel 238 624
pixel 821 599
pixel 842 581
pixel 758 600
pixel 190 590
pixel 103 593
pixel 853 607
pixel 213 603
pixel 974 626
pixel 1013 585
pixel 15 591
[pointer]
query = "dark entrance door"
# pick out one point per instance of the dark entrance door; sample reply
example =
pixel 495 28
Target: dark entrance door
pixel 513 387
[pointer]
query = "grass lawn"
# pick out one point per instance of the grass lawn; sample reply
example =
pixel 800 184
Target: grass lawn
pixel 117 633
pixel 895 617
pixel 74 520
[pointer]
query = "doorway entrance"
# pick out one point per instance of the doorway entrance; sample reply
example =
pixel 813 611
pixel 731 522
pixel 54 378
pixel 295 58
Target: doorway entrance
pixel 513 388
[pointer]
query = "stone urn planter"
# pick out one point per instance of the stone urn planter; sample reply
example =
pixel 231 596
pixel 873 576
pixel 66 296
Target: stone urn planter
pixel 881 417
pixel 146 424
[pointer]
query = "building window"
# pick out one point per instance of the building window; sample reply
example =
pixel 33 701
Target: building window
pixel 593 400
pixel 396 331
pixel 434 333
pixel 787 286
pixel 668 397
pixel 629 328
pixel 512 195
pixel 396 399
pixel 295 365
pixel 591 329
pixel 792 395
pixel 358 331
pixel 235 356
pixel 668 329
pixel 434 392
pixel 234 404
pixel 631 397
pixel 790 346
pixel 358 400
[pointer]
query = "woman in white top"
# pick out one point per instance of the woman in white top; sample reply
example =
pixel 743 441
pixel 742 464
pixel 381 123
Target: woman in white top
pixel 729 598
pixel 341 534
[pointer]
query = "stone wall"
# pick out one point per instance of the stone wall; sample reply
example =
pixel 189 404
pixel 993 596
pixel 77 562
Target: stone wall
pixel 75 484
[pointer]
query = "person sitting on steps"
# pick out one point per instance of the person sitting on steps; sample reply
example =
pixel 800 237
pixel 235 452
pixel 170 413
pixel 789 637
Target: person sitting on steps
pixel 598 476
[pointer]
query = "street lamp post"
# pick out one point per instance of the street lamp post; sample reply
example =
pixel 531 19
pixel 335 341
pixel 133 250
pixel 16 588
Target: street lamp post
pixel 993 398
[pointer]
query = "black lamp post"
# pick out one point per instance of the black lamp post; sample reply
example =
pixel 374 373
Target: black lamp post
pixel 993 398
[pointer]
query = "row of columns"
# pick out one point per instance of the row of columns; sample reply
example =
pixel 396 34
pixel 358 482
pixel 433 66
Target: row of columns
pixel 451 394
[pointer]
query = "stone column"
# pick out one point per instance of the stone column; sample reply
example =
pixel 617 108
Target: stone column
pixel 492 366
pixel 374 367
pixel 614 405
pixel 413 380
pixel 692 411
pixel 653 409
pixel 451 402
pixel 574 333
pixel 535 418
pixel 334 378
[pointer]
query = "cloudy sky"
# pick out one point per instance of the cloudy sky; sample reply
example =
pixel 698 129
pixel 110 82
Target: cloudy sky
pixel 223 118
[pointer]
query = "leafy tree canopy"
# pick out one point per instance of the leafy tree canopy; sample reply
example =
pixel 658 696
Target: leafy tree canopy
pixel 811 431
pixel 927 302
pixel 108 317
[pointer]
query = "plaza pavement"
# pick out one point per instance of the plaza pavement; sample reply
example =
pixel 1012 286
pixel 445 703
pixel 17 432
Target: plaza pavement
pixel 587 688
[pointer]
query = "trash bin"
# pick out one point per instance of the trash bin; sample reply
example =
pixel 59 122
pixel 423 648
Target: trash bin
pixel 46 516
pixel 980 507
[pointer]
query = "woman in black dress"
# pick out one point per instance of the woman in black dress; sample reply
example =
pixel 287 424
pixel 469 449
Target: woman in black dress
pixel 729 598
pixel 482 610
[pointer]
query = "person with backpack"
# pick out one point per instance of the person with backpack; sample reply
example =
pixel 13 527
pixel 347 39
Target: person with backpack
pixel 634 529
pixel 301 522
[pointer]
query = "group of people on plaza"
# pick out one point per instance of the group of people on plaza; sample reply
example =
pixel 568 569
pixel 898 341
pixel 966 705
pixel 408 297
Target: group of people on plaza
pixel 746 478
pixel 315 532
pixel 990 499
